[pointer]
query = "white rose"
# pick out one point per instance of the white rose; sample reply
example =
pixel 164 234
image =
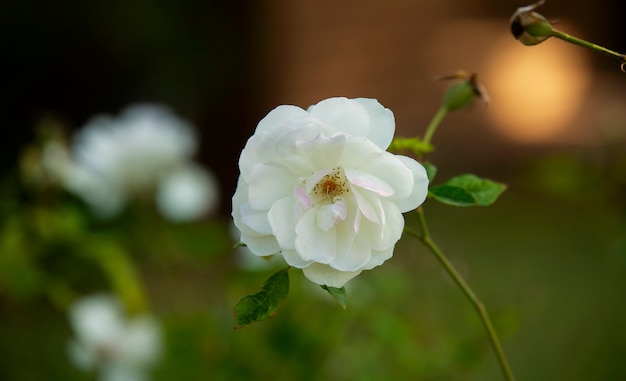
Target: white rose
pixel 319 187
pixel 121 348
pixel 146 149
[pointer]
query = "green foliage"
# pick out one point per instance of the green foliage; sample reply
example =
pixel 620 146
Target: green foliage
pixel 264 303
pixel 431 170
pixel 415 145
pixel 339 294
pixel 467 190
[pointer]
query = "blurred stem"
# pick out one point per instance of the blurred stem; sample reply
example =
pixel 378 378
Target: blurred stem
pixel 434 123
pixel 425 238
pixel 589 45
pixel 121 274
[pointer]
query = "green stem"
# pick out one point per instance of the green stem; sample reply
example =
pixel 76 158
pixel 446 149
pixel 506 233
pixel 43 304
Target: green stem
pixel 434 123
pixel 425 238
pixel 586 44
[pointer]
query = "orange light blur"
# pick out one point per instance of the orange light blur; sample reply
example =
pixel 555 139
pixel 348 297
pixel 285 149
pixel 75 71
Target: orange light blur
pixel 537 90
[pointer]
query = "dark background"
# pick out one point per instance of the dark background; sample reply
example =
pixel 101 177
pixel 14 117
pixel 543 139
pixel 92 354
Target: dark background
pixel 224 64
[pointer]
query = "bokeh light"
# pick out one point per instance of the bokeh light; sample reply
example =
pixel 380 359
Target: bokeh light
pixel 536 93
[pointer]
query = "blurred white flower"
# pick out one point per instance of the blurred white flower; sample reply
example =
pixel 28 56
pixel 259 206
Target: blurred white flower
pixel 319 187
pixel 187 193
pixel 146 150
pixel 120 348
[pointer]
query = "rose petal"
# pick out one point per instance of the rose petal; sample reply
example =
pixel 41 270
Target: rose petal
pixel 390 170
pixel 343 115
pixel 256 220
pixel 268 183
pixel 378 257
pixel 420 186
pixel 382 122
pixel 370 182
pixel 282 217
pixel 279 116
pixel 261 246
pixel 325 275
pixel 312 243
pixel 294 259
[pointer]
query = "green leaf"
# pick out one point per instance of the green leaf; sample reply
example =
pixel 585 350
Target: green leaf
pixel 468 190
pixel 339 294
pixel 415 145
pixel 431 170
pixel 264 303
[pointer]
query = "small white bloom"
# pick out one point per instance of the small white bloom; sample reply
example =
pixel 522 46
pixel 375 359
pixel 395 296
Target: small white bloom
pixel 319 187
pixel 187 194
pixel 120 348
pixel 146 149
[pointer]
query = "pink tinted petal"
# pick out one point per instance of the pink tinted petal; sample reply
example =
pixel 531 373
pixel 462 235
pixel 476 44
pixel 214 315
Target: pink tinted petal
pixel 343 115
pixel 303 198
pixel 365 207
pixel 420 186
pixel 390 169
pixel 325 275
pixel 382 122
pixel 370 182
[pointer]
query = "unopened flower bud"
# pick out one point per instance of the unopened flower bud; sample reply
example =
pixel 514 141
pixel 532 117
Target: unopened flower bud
pixel 529 27
pixel 463 92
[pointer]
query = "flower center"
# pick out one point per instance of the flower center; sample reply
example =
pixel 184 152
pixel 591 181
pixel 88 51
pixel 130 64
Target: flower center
pixel 332 185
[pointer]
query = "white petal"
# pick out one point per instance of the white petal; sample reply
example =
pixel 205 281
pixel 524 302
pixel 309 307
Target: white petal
pixel 378 258
pixel 187 194
pixel 389 169
pixel 294 259
pixel 140 344
pixel 330 215
pixel 354 254
pixel 420 186
pixel 256 220
pixel 282 218
pixel 343 115
pixel 261 246
pixel 279 116
pixel 392 228
pixel 249 221
pixel 382 122
pixel 268 183
pixel 371 212
pixel 358 152
pixel 325 275
pixel 312 243
pixel 97 318
pixel 323 152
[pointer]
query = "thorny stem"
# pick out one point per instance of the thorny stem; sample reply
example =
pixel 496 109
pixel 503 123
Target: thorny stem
pixel 425 238
pixel 586 44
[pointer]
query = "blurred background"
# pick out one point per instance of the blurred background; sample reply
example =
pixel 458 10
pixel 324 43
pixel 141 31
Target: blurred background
pixel 548 259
